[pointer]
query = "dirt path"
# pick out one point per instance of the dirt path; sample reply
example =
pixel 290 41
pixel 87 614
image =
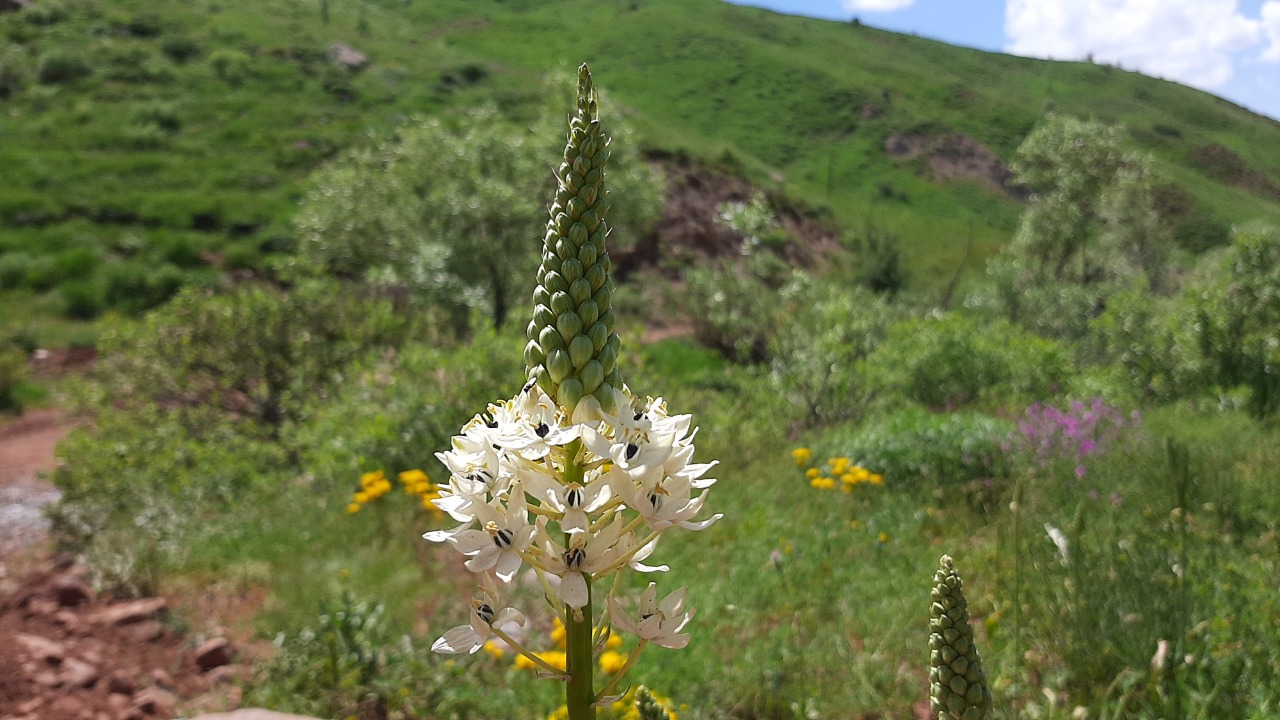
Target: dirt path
pixel 27 449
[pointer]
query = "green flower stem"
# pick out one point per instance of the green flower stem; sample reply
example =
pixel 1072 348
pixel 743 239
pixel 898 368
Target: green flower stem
pixel 626 668
pixel 579 651
pixel 580 662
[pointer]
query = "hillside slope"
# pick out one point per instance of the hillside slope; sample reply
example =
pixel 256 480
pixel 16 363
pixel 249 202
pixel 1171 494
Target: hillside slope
pixel 151 142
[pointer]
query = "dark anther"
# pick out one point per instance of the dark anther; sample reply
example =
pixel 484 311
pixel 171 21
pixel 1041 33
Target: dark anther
pixel 632 449
pixel 489 421
pixel 574 497
pixel 655 500
pixel 485 613
pixel 542 430
pixel 638 416
pixel 574 557
pixel 502 538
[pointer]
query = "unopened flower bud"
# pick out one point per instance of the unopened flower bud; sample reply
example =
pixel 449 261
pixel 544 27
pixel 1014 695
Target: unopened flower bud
pixel 957 685
pixel 572 350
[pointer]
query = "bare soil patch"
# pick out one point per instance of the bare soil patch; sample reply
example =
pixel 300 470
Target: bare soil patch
pixel 955 156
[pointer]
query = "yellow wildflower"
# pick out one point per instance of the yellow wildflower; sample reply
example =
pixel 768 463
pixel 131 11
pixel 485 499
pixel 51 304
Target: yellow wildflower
pixel 802 456
pixel 370 478
pixel 362 497
pixel 413 477
pixel 883 537
pixel 823 483
pixel 812 473
pixel 558 634
pixel 353 507
pixel 611 662
pixel 613 642
pixel 877 479
pixel 493 649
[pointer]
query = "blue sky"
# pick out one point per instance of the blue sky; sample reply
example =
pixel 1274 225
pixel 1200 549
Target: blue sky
pixel 1228 47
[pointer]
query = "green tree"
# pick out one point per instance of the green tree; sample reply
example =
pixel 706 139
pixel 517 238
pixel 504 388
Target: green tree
pixel 447 208
pixel 1091 227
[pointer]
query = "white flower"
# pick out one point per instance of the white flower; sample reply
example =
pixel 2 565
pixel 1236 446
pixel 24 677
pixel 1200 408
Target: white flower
pixel 586 553
pixel 471 637
pixel 658 622
pixel 573 501
pixel 668 503
pixel 498 545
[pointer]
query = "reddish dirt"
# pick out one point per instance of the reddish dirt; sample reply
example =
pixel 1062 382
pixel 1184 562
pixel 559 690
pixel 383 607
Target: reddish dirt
pixel 955 156
pixel 68 654
pixel 689 230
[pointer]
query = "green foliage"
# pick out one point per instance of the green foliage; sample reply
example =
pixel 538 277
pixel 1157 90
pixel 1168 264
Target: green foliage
pixel 84 299
pixel 913 447
pixel 819 351
pixel 951 360
pixel 1091 227
pixel 450 212
pixel 13 269
pixel 180 48
pixel 737 308
pixel 1153 342
pixel 13 370
pixel 231 66
pixel 1238 319
pixel 255 350
pixel 61 66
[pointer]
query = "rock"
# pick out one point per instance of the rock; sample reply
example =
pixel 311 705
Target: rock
pixel 41 607
pixel 67 706
pixel 252 714
pixel 120 683
pixel 69 620
pixel 162 678
pixel 347 57
pixel 46 678
pixel 147 631
pixel 117 702
pixel 225 674
pixel 156 702
pixel 134 611
pixel 213 653
pixel 26 707
pixel 78 674
pixel 70 592
pixel 43 649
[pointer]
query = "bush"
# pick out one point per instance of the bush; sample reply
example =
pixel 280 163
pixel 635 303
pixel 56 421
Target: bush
pixel 163 115
pixel 15 72
pixel 42 273
pixel 59 66
pixel 257 351
pixel 738 308
pixel 819 351
pixel 180 48
pixel 947 361
pixel 916 447
pixel 1238 319
pixel 13 269
pixel 137 286
pixel 83 299
pixel 77 262
pixel 231 66
pixel 13 371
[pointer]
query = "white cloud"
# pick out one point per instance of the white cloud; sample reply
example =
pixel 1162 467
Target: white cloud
pixel 1271 27
pixel 876 5
pixel 1190 41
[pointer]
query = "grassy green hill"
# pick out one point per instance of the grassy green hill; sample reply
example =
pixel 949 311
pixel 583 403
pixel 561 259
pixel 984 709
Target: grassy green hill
pixel 145 144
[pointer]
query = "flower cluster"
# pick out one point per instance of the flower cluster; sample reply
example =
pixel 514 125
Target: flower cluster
pixel 839 472
pixel 418 484
pixel 573 499
pixel 373 485
pixel 1074 434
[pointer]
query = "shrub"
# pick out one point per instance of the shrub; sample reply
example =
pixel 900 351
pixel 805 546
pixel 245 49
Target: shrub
pixel 13 370
pixel 231 66
pixel 42 273
pixel 180 48
pixel 738 307
pixel 15 72
pixel 77 262
pixel 951 360
pixel 59 66
pixel 145 25
pixel 915 447
pixel 137 286
pixel 819 351
pixel 1238 319
pixel 84 299
pixel 13 269
pixel 163 115
pixel 258 351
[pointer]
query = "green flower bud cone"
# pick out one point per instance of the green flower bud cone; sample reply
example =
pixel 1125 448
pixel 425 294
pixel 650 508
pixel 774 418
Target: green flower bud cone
pixel 957 685
pixel 647 707
pixel 572 351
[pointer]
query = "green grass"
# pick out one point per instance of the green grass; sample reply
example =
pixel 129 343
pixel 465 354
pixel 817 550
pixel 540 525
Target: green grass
pixel 201 121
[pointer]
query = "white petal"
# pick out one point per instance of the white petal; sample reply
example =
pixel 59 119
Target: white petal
pixel 461 639
pixel 507 566
pixel 573 590
pixel 689 525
